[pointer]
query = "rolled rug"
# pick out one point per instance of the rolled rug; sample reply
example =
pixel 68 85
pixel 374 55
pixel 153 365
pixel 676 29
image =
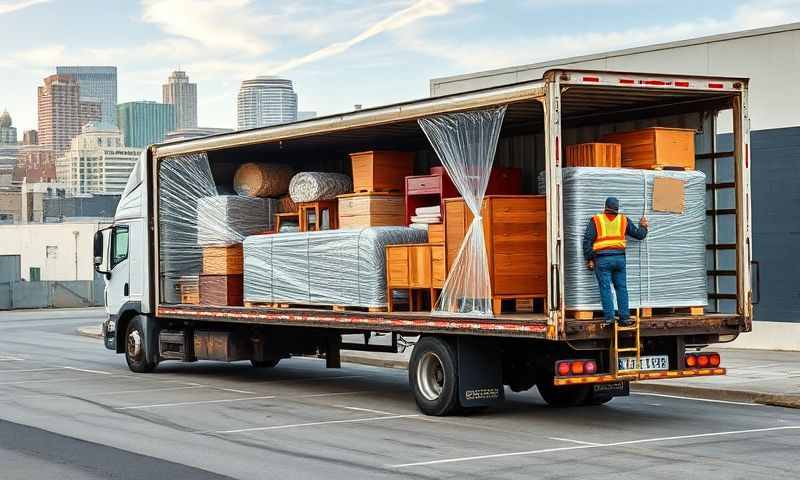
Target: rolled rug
pixel 315 186
pixel 262 179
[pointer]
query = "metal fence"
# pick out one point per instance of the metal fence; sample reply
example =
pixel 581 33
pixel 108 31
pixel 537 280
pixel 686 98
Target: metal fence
pixel 51 294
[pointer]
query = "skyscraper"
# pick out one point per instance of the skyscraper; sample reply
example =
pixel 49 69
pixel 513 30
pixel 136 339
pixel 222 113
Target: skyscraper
pixel 8 134
pixel 97 83
pixel 179 92
pixel 265 101
pixel 61 113
pixel 144 123
pixel 96 162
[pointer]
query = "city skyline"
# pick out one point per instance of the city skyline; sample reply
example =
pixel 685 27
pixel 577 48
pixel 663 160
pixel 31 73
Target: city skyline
pixel 336 56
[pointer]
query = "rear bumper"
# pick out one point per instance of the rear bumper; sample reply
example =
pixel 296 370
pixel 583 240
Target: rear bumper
pixel 609 378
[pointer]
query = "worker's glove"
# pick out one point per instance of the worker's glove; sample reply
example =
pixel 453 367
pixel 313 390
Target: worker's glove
pixel 590 264
pixel 643 222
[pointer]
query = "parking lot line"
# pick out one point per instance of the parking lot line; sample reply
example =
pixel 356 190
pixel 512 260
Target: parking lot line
pixel 728 402
pixel 368 410
pixel 198 402
pixel 600 445
pixel 569 440
pixel 88 371
pixel 313 424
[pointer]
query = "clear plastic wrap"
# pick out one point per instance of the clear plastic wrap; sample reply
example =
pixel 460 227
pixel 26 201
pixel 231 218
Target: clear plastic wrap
pixel 315 186
pixel 183 181
pixel 668 268
pixel 465 144
pixel 330 267
pixel 228 219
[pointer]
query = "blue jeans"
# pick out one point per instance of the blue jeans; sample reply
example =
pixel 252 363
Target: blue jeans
pixel 611 269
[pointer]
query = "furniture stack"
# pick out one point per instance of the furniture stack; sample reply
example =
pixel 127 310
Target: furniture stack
pixel 417 269
pixel 656 148
pixel 221 279
pixel 515 235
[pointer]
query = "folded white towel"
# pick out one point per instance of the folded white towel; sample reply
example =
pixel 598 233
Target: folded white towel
pixel 426 219
pixel 434 210
pixel 419 226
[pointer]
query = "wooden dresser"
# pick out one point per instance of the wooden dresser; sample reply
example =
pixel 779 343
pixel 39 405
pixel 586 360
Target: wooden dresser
pixel 516 243
pixel 415 267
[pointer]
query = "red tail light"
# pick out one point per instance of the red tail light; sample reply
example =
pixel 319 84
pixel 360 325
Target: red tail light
pixel 566 368
pixel 702 361
pixel 714 359
pixel 691 360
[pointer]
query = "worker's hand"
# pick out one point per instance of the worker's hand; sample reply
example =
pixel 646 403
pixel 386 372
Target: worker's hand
pixel 643 222
pixel 590 264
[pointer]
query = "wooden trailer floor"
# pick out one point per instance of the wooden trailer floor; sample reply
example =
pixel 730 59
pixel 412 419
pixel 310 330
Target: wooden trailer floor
pixel 531 325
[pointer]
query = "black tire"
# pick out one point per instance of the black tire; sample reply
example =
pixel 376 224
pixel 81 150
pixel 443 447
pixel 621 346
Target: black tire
pixel 433 375
pixel 595 400
pixel 567 396
pixel 135 347
pixel 265 363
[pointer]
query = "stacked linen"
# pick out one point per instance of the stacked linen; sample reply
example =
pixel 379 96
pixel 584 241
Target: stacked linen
pixel 668 268
pixel 424 216
pixel 329 267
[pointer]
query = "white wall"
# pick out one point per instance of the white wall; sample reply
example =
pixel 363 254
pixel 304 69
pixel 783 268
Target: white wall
pixel 770 57
pixel 30 241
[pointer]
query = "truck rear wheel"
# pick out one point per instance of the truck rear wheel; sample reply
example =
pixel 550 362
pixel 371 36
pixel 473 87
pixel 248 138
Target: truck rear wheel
pixel 433 375
pixel 567 396
pixel 265 363
pixel 135 350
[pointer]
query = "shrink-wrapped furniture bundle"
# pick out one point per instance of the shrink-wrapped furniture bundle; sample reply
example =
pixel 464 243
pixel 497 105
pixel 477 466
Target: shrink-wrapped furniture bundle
pixel 333 267
pixel 262 179
pixel 315 186
pixel 227 219
pixel 668 268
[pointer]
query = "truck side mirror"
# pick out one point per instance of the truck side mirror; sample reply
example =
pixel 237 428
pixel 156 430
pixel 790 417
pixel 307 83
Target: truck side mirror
pixel 98 248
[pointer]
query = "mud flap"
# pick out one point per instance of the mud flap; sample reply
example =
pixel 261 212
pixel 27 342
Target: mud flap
pixel 615 389
pixel 480 373
pixel 150 327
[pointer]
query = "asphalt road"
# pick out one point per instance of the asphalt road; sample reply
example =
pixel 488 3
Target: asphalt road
pixel 71 409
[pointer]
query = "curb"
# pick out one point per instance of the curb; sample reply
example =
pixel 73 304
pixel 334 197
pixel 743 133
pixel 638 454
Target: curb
pixel 91 331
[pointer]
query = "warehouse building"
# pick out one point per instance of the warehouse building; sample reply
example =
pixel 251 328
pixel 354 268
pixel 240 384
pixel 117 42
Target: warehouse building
pixel 770 57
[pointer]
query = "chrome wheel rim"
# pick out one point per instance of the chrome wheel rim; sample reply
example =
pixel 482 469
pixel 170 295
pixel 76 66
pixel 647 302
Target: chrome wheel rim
pixel 430 376
pixel 134 344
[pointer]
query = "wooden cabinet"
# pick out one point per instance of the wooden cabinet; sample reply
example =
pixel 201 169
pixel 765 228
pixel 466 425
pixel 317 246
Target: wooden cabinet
pixel 414 267
pixel 607 155
pixel 381 171
pixel 515 236
pixel 378 209
pixel 655 148
pixel 221 289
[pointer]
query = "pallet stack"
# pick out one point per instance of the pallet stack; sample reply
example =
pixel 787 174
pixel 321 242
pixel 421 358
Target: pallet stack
pixel 221 280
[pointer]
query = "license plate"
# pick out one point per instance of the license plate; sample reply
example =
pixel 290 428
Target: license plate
pixel 649 362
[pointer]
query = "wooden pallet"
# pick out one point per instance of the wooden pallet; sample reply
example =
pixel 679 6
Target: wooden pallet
pixel 522 303
pixel 309 306
pixel 644 312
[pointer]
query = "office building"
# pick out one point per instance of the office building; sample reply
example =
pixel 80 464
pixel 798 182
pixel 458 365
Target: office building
pixel 180 92
pixel 265 101
pixel 99 83
pixel 8 134
pixel 35 164
pixel 30 137
pixel 62 113
pixel 96 162
pixel 144 123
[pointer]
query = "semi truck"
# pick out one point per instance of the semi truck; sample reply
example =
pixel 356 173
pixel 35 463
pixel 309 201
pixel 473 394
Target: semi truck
pixel 459 362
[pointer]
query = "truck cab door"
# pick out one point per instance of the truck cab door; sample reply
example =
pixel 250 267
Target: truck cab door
pixel 118 281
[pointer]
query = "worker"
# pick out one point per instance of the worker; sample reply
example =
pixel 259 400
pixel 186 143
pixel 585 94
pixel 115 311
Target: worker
pixel 604 251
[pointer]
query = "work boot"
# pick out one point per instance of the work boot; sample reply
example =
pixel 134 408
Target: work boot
pixel 626 322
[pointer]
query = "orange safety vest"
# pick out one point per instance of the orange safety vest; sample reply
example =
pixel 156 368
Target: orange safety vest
pixel 610 232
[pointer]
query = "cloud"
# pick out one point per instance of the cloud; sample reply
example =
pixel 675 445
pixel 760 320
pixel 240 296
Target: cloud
pixel 418 10
pixel 503 52
pixel 9 7
pixel 215 24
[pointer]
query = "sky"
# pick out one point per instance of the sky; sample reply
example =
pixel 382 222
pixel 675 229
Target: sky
pixel 337 52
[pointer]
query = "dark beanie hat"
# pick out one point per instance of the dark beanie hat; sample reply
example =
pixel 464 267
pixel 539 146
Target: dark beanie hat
pixel 612 204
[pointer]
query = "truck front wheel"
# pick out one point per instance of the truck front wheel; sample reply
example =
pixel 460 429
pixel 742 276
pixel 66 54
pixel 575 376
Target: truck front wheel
pixel 433 375
pixel 135 351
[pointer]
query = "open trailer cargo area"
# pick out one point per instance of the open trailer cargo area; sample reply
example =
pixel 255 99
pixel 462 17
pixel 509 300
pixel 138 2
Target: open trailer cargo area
pixel 459 219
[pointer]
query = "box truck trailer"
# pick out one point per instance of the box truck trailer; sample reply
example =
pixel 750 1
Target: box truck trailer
pixel 459 360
